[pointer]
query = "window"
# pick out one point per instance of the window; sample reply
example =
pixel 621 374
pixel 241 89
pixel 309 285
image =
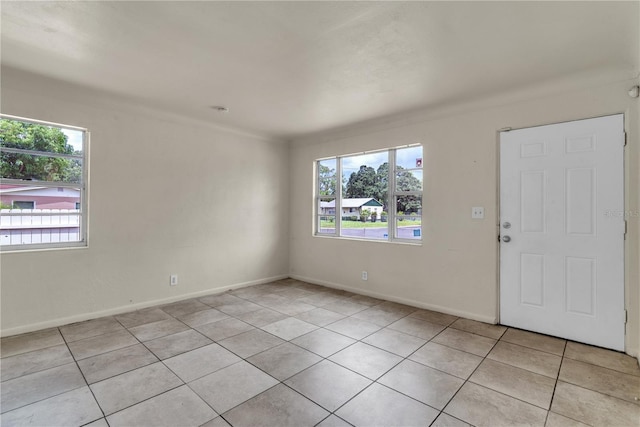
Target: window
pixel 43 168
pixel 362 196
pixel 23 204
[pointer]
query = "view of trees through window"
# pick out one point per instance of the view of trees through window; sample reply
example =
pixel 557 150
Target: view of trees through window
pixel 42 183
pixel 37 166
pixel 372 195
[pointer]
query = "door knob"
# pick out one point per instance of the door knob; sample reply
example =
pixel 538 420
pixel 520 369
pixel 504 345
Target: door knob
pixel 506 239
pixel 507 225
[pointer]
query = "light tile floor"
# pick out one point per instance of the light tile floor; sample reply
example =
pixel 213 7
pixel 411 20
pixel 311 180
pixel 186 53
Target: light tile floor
pixel 293 354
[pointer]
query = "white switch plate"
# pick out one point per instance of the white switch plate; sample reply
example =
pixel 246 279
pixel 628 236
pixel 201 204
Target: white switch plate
pixel 477 212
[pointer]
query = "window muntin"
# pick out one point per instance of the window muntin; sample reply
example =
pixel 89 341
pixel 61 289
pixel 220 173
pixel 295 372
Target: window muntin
pixel 44 163
pixel 373 200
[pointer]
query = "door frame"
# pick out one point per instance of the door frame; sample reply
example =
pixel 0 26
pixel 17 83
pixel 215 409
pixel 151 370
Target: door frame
pixel 625 174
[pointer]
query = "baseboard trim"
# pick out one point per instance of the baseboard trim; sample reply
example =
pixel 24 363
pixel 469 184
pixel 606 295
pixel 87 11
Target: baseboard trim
pixel 460 313
pixel 61 321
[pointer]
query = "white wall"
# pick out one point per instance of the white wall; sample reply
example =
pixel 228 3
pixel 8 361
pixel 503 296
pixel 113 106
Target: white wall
pixel 185 176
pixel 167 195
pixel 455 269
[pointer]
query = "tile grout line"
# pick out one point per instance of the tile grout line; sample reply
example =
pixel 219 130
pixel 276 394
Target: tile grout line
pixel 83 376
pixel 374 381
pixel 466 380
pixel 405 358
pixel 104 415
pixel 162 361
pixel 555 384
pixel 131 370
pixel 513 397
pixel 245 359
pixel 327 359
pixel 343 298
pixel 242 359
pixel 53 367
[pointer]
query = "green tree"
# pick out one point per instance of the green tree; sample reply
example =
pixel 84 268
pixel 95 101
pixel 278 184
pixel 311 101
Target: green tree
pixel 362 183
pixel 34 137
pixel 326 181
pixel 382 185
pixel 407 205
pixel 406 181
pixel 368 182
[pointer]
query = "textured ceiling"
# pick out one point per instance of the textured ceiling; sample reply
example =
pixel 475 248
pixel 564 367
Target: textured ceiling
pixel 287 69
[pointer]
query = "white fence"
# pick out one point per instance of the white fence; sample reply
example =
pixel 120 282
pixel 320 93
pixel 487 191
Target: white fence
pixel 32 226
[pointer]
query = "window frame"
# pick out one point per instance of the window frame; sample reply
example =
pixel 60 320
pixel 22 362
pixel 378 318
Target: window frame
pixel 392 194
pixel 83 186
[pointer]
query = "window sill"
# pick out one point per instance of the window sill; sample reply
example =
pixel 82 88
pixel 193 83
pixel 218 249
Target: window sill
pixel 4 251
pixel 394 242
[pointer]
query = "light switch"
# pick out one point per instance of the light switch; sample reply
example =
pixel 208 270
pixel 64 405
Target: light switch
pixel 477 212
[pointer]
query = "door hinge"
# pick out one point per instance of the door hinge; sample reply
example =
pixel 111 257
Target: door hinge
pixel 624 139
pixel 624 228
pixel 626 317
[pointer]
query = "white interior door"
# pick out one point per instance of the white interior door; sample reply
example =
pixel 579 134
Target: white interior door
pixel 562 230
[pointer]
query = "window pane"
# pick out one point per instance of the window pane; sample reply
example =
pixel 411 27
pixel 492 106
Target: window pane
pixel 326 211
pixel 408 228
pixel 409 205
pixel 36 137
pixel 52 216
pixel 326 224
pixel 409 180
pixel 409 158
pixel 409 217
pixel 370 228
pixel 39 168
pixel 75 139
pixel 30 228
pixel 327 177
pixel 365 195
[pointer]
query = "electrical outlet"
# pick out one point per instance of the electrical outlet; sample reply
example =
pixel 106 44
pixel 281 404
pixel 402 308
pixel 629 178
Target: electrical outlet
pixel 477 212
pixel 173 280
pixel 364 275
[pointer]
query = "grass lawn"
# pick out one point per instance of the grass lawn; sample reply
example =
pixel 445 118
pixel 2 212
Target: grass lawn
pixel 377 224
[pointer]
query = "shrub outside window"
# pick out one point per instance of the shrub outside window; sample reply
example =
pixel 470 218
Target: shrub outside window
pixel 360 196
pixel 43 184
